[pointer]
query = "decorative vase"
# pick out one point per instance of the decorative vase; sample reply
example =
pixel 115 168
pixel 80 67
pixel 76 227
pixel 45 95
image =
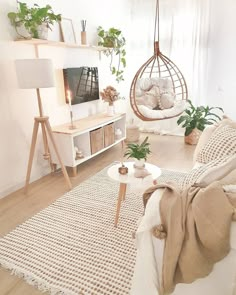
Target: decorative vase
pixel 193 137
pixel 110 110
pixel 83 38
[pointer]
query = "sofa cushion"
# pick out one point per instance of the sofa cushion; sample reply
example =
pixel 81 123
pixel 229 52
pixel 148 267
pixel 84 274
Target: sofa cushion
pixel 221 143
pixel 225 166
pixel 206 134
pixel 209 172
pixel 166 100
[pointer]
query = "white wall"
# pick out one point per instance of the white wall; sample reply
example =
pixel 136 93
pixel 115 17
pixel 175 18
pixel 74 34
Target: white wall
pixel 18 107
pixel 222 59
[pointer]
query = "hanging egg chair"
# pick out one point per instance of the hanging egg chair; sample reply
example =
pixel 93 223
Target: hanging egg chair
pixel 158 90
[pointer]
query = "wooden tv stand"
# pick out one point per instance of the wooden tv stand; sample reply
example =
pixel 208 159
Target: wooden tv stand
pixel 92 136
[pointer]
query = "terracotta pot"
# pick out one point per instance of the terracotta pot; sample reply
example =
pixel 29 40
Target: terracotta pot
pixel 193 137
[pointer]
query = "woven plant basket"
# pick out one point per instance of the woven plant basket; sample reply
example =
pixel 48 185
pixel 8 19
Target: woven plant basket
pixel 193 137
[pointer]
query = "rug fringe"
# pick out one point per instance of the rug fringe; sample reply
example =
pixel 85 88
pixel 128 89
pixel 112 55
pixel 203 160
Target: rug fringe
pixel 31 280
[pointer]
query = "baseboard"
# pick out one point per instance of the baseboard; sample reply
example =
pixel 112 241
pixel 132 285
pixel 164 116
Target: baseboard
pixel 12 189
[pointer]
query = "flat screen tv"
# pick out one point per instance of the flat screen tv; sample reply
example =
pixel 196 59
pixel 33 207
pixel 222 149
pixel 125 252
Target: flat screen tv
pixel 82 83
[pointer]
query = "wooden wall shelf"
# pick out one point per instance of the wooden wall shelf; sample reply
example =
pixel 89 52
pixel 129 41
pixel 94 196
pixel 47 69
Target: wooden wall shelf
pixel 60 44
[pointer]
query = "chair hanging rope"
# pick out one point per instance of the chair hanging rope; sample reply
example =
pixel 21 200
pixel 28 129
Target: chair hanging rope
pixel 158 90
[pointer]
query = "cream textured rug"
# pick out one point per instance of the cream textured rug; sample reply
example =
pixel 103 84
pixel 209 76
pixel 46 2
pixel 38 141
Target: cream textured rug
pixel 72 247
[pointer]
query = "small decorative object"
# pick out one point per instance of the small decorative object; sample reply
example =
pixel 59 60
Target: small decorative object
pixel 36 20
pixel 118 133
pixel 123 169
pixel 139 152
pixel 83 32
pixel 109 94
pixel 71 126
pixel 115 42
pixel 141 172
pixel 196 119
pixel 78 153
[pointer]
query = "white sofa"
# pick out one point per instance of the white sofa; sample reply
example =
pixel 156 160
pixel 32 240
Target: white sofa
pixel 148 268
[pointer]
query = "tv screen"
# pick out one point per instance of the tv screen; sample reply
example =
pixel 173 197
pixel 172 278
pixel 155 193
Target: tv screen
pixel 82 83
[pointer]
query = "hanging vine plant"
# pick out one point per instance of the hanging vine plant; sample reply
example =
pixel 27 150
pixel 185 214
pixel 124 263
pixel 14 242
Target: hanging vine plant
pixel 114 40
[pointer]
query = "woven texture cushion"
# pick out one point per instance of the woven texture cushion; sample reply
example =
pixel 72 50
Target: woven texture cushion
pixel 206 134
pixel 209 172
pixel 166 100
pixel 221 143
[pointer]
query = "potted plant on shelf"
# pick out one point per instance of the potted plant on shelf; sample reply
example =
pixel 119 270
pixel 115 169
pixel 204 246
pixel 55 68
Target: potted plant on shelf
pixel 113 39
pixel 36 20
pixel 139 152
pixel 196 119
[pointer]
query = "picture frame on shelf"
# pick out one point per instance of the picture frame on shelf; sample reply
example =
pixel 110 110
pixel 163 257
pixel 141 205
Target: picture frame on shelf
pixel 67 30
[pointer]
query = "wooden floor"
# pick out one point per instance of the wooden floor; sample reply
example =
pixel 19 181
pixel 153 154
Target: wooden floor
pixel 167 152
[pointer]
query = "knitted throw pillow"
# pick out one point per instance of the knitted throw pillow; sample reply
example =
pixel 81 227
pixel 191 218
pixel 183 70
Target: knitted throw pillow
pixel 207 173
pixel 166 100
pixel 221 143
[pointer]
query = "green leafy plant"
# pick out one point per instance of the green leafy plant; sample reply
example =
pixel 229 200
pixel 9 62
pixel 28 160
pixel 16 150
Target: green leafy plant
pixel 32 18
pixel 198 117
pixel 138 151
pixel 114 40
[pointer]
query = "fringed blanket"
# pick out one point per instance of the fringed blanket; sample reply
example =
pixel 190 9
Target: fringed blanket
pixel 196 224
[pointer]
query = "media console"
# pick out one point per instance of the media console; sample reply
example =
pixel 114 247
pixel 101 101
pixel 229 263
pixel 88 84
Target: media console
pixel 93 135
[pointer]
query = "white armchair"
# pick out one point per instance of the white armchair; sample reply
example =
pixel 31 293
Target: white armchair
pixel 148 268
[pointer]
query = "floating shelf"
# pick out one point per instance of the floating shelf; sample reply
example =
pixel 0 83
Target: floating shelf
pixel 60 44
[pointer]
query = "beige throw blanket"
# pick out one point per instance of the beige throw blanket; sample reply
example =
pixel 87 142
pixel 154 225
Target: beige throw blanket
pixel 197 222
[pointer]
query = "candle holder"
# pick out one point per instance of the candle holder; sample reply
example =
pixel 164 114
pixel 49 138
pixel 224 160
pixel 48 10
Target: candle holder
pixel 71 126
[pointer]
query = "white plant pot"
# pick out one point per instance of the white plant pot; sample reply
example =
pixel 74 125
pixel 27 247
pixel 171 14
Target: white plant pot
pixel 43 31
pixel 139 163
pixel 22 32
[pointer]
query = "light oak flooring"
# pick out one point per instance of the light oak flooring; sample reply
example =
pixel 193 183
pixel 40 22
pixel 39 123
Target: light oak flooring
pixel 168 152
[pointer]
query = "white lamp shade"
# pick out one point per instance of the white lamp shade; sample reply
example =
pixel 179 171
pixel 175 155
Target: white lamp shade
pixel 34 73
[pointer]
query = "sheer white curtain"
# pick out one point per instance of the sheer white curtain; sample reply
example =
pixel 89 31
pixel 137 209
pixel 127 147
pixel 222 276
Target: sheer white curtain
pixel 184 29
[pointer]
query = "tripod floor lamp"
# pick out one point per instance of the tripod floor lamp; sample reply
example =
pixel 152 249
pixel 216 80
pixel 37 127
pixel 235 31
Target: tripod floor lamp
pixel 36 74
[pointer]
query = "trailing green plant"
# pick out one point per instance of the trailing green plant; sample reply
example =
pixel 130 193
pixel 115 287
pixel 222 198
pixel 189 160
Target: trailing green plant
pixel 32 18
pixel 198 117
pixel 138 151
pixel 114 40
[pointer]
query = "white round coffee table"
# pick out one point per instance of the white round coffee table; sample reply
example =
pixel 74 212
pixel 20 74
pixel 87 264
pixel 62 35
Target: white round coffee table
pixel 114 174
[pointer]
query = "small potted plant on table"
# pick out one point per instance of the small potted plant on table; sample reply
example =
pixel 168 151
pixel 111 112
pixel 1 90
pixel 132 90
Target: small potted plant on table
pixel 139 152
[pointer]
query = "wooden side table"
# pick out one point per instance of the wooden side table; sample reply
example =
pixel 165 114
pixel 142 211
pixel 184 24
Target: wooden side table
pixel 128 178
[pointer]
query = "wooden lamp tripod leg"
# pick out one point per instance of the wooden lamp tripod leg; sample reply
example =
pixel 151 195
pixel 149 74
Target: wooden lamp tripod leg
pixel 31 156
pixel 46 155
pixel 45 126
pixel 50 134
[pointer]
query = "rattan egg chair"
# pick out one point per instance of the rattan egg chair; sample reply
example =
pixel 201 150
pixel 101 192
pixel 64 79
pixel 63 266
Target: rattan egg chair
pixel 159 67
